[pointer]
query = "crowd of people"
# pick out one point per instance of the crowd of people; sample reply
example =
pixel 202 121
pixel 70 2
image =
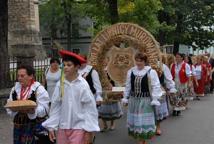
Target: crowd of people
pixel 70 104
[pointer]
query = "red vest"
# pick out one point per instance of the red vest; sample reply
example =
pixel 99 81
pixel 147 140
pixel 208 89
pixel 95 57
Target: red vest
pixel 182 73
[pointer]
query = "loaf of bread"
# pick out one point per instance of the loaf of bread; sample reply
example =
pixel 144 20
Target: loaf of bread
pixel 20 105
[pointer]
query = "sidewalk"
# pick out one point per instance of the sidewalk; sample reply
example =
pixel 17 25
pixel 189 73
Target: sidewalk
pixel 5 128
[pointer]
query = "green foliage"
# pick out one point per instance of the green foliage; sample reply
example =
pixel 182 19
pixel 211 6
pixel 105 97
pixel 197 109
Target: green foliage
pixel 54 15
pixel 142 12
pixel 97 10
pixel 199 24
pixel 188 21
pixel 192 21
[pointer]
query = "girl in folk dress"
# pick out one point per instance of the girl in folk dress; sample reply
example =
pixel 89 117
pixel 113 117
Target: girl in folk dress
pixel 109 110
pixel 201 76
pixel 142 92
pixel 168 85
pixel 192 77
pixel 180 72
pixel 209 77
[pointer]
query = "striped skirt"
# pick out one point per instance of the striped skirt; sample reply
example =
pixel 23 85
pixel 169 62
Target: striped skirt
pixel 141 118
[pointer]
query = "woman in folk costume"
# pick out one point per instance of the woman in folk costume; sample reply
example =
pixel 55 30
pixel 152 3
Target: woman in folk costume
pixel 180 72
pixel 201 76
pixel 109 110
pixel 73 109
pixel 192 78
pixel 168 86
pixel 24 120
pixel 209 77
pixel 142 92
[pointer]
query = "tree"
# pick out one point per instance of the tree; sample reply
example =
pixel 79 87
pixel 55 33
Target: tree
pixel 113 10
pixel 107 12
pixel 191 22
pixel 142 12
pixel 199 25
pixel 58 16
pixel 4 58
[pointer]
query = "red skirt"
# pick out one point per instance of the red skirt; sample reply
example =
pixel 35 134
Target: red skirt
pixel 199 90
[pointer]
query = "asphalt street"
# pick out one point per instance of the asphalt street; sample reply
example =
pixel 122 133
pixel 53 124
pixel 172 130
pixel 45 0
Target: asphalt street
pixel 194 126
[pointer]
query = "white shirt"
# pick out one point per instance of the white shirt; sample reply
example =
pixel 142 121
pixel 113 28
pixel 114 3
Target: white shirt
pixel 95 79
pixel 198 71
pixel 75 110
pixel 156 91
pixel 168 80
pixel 52 79
pixel 42 100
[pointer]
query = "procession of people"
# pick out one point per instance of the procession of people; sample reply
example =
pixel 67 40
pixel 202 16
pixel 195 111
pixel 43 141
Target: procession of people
pixel 72 108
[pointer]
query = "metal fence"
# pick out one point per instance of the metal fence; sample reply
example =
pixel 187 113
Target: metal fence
pixel 39 66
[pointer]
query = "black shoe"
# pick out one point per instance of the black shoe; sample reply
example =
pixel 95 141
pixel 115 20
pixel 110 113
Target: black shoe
pixel 174 113
pixel 178 113
pixel 197 98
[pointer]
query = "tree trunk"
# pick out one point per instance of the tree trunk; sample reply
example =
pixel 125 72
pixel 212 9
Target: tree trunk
pixel 161 37
pixel 113 9
pixel 68 21
pixel 4 58
pixel 176 47
pixel 178 32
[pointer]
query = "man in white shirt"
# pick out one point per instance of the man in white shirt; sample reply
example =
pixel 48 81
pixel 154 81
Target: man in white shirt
pixel 73 109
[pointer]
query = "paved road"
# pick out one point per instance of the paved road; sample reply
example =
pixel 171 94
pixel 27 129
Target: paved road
pixel 194 126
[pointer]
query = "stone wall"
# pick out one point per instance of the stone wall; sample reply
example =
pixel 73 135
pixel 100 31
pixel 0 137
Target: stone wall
pixel 24 37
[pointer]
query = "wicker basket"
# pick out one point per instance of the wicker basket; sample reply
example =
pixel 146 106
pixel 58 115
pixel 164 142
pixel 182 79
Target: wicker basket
pixel 18 105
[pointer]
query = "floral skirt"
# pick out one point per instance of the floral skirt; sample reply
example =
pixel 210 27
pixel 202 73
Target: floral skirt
pixel 162 111
pixel 141 118
pixel 110 111
pixel 179 101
